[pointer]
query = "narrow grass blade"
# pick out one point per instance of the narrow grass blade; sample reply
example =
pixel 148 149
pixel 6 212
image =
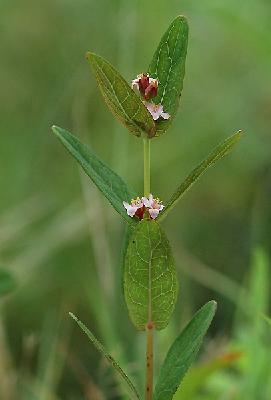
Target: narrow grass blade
pixel 219 152
pixel 124 103
pixel 110 359
pixel 108 182
pixel 183 352
pixel 197 377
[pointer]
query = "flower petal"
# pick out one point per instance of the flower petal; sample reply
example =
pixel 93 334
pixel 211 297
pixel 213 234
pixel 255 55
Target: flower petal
pixel 152 80
pixel 159 109
pixel 126 205
pixel 149 106
pixel 135 84
pixel 153 212
pixel 150 198
pixel 131 211
pixel 165 115
pixel 146 202
pixel 155 116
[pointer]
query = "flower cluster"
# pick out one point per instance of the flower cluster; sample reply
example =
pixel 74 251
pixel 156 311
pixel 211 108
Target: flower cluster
pixel 148 88
pixel 144 206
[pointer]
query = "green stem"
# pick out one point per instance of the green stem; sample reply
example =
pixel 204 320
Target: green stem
pixel 149 362
pixel 149 327
pixel 147 166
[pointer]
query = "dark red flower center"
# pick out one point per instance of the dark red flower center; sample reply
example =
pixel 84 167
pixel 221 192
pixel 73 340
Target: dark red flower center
pixel 147 88
pixel 140 212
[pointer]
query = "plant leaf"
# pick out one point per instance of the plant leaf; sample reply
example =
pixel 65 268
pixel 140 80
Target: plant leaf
pixel 110 359
pixel 219 152
pixel 7 282
pixel 121 98
pixel 150 283
pixel 109 183
pixel 168 66
pixel 183 352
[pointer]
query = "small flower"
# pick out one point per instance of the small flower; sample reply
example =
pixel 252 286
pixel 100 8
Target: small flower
pixel 146 85
pixel 133 208
pixel 156 111
pixel 154 206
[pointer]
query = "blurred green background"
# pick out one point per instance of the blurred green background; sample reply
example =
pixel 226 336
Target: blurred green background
pixel 61 241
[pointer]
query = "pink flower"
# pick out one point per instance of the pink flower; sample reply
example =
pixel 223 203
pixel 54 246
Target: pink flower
pixel 156 111
pixel 154 206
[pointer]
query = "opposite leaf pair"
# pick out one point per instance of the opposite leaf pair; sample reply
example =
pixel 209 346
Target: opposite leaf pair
pixel 167 68
pixel 116 190
pixel 148 248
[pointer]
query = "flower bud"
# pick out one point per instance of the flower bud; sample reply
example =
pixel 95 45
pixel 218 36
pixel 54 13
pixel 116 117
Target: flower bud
pixel 147 86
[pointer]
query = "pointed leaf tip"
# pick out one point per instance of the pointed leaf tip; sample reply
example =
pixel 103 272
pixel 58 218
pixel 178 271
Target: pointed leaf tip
pixel 182 18
pixel 213 304
pixel 89 55
pixel 55 129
